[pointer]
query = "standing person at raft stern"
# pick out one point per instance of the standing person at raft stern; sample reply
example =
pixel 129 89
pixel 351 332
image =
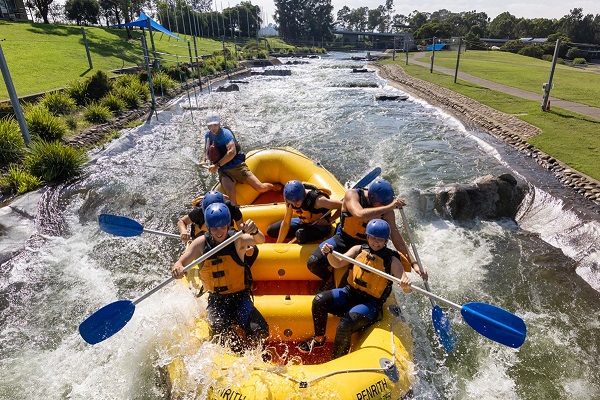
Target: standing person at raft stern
pixel 358 208
pixel 232 317
pixel 224 154
pixel 312 209
pixel 360 302
pixel 196 219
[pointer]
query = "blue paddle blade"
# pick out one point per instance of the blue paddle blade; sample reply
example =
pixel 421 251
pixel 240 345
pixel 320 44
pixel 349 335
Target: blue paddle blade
pixel 107 321
pixel 495 323
pixel 442 327
pixel 119 226
pixel 365 180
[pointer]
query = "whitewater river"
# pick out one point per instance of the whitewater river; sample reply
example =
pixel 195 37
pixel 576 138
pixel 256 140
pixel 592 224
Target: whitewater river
pixel 543 268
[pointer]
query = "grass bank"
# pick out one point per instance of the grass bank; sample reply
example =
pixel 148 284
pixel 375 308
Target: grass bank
pixel 43 57
pixel 569 137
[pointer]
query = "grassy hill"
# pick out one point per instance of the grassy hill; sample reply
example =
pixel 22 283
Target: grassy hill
pixel 42 57
pixel 570 137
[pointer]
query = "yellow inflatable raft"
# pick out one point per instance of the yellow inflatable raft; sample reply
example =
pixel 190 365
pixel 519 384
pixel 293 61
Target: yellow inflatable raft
pixel 379 364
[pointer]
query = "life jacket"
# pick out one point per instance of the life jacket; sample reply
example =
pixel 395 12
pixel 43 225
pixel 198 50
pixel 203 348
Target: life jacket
pixel 368 282
pixel 224 272
pixel 353 226
pixel 307 211
pixel 215 153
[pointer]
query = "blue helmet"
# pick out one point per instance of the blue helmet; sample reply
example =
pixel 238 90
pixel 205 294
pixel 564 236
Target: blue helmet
pixel 294 191
pixel 381 192
pixel 378 228
pixel 217 215
pixel 212 197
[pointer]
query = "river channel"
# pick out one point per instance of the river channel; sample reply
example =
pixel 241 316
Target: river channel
pixel 543 267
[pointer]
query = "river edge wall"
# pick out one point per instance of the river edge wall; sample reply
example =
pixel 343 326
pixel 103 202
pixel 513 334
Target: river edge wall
pixel 507 127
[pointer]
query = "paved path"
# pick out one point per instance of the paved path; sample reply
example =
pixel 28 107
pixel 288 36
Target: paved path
pixel 593 112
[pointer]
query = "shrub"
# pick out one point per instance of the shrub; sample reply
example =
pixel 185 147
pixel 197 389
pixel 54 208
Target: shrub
pixel 129 96
pixel 160 81
pixel 54 161
pixel 97 113
pixel 19 180
pixel 78 92
pixel 579 61
pixel 59 103
pixel 113 102
pixel 141 89
pixel 98 86
pixel 532 51
pixel 125 81
pixel 513 46
pixel 12 144
pixel 547 57
pixel 71 121
pixel 43 124
pixel 573 53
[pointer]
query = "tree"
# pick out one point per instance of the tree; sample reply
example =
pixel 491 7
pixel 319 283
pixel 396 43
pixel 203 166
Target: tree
pixel 343 17
pixel 304 19
pixel 42 8
pixel 503 26
pixel 82 11
pixel 416 19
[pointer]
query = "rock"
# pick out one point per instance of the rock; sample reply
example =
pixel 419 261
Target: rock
pixel 488 197
pixel 228 88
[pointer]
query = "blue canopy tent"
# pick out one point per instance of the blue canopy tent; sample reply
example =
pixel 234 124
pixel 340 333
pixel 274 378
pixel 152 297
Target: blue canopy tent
pixel 437 47
pixel 142 22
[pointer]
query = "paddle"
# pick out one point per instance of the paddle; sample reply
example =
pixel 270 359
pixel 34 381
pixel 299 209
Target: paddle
pixel 441 323
pixel 126 227
pixel 490 321
pixel 362 182
pixel 111 318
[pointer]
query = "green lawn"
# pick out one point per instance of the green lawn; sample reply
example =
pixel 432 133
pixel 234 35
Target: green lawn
pixel 42 57
pixel 570 137
pixel 576 84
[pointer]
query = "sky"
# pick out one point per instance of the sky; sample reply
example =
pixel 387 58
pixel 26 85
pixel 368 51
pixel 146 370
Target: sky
pixel 519 8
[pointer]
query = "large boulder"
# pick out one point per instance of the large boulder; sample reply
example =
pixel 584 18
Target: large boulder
pixel 488 197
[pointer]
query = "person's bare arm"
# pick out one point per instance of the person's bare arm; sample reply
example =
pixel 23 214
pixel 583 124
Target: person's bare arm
pixel 336 262
pixel 194 251
pixel 285 224
pixel 182 225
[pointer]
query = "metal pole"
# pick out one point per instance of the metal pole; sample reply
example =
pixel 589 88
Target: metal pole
pixel 87 49
pixel 432 56
pixel 406 47
pixel 148 70
pixel 394 51
pixel 198 65
pixel 457 59
pixel 155 63
pixel 191 65
pixel 549 84
pixel 14 99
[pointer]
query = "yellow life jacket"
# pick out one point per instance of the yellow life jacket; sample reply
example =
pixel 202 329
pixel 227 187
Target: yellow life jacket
pixel 224 272
pixel 307 212
pixel 368 282
pixel 353 226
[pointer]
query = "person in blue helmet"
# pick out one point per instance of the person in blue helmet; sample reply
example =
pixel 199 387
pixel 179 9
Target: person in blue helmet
pixel 196 216
pixel 359 303
pixel 226 276
pixel 223 153
pixel 359 206
pixel 312 209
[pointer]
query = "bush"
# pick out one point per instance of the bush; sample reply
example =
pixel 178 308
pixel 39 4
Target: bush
pixel 160 81
pixel 129 96
pixel 573 53
pixel 19 181
pixel 43 124
pixel 59 103
pixel 97 113
pixel 579 61
pixel 12 145
pixel 513 46
pixel 113 102
pixel 547 57
pixel 78 92
pixel 125 81
pixel 98 86
pixel 532 51
pixel 141 89
pixel 54 161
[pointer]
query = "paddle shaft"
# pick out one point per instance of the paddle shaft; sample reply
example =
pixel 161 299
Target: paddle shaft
pixel 397 280
pixel 192 264
pixel 414 249
pixel 171 235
